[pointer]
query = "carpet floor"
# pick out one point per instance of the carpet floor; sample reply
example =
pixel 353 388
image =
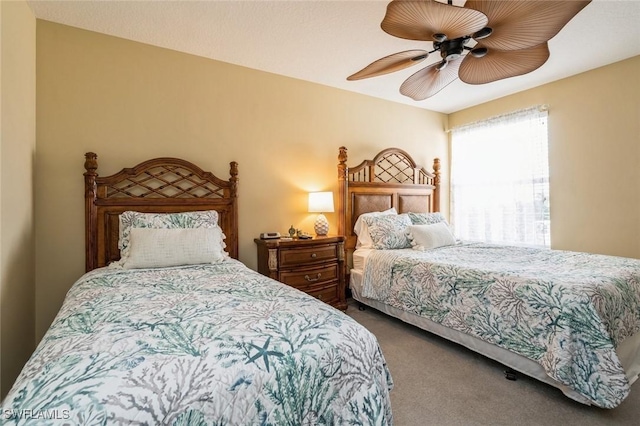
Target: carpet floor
pixel 437 382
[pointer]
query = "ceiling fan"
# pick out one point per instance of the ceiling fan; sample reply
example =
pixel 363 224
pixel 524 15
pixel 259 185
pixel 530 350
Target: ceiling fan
pixel 502 38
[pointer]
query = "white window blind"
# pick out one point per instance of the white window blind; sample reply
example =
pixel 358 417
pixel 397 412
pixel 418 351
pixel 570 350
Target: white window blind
pixel 500 179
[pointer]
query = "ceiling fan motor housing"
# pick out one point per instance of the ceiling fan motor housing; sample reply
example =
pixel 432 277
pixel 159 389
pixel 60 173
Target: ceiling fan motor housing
pixel 451 49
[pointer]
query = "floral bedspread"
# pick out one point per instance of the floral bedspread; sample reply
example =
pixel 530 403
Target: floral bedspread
pixel 568 311
pixel 202 345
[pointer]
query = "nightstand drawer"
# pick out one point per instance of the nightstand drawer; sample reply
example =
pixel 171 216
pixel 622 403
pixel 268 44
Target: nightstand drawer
pixel 315 266
pixel 305 277
pixel 304 256
pixel 328 294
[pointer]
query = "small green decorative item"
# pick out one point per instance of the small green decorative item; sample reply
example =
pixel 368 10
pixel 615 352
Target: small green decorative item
pixel 292 231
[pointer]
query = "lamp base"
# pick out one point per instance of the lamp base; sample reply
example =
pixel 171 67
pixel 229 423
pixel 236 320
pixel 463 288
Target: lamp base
pixel 321 226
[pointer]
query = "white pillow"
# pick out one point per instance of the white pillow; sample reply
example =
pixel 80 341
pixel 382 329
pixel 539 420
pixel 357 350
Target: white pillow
pixel 160 248
pixel 133 219
pixel 362 229
pixel 425 237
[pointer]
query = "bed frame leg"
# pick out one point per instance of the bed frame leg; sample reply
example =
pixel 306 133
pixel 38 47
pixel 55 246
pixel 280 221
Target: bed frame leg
pixel 361 306
pixel 510 374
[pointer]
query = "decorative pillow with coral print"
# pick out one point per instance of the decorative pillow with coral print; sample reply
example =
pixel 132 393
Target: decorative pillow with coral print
pixel 362 231
pixel 388 232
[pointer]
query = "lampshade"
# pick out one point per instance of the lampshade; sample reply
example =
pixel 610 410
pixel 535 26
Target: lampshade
pixel 321 202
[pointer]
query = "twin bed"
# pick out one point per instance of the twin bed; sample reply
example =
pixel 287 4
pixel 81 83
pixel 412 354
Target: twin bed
pixel 151 335
pixel 569 319
pixel 148 336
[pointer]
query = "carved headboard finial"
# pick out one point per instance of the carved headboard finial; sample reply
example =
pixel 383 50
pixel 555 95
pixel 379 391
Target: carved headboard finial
pixel 233 172
pixel 91 162
pixel 342 156
pixel 436 183
pixel 90 165
pixel 342 163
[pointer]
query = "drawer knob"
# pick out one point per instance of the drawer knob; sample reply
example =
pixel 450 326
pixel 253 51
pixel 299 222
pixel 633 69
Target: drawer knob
pixel 311 280
pixel 319 297
pixel 313 255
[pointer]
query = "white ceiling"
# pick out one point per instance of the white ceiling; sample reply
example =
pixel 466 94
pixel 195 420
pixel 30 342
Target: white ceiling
pixel 326 41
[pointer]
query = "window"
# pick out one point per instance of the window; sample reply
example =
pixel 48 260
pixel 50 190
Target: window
pixel 500 179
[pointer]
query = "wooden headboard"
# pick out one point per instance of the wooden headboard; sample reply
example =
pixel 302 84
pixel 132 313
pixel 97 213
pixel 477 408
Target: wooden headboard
pixel 390 179
pixel 160 185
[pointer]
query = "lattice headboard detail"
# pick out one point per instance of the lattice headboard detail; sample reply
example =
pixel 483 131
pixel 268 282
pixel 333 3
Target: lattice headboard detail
pixel 160 185
pixel 390 179
pixel 165 181
pixel 390 166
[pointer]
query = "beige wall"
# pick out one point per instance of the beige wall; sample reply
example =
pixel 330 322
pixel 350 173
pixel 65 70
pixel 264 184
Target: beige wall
pixel 17 146
pixel 129 102
pixel 594 156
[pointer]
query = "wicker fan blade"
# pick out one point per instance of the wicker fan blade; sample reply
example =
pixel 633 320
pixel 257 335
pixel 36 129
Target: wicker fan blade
pixel 420 20
pixel 391 63
pixel 429 81
pixel 499 64
pixel 519 24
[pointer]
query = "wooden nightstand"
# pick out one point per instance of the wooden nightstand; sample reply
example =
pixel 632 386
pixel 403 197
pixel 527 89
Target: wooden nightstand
pixel 315 266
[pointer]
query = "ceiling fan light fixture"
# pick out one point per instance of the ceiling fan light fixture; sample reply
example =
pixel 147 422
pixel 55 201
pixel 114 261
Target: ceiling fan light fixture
pixel 450 56
pixel 439 37
pixel 479 52
pixel 483 33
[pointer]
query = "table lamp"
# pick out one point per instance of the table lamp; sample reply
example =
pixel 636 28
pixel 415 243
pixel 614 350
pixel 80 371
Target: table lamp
pixel 321 202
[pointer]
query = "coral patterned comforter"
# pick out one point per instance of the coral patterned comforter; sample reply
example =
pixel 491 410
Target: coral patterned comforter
pixel 201 345
pixel 567 311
